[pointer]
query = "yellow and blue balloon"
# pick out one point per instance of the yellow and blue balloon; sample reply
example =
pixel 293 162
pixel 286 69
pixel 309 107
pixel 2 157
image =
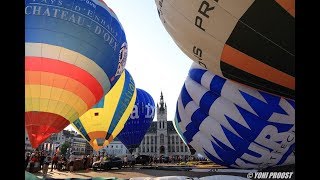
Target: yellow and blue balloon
pixel 102 123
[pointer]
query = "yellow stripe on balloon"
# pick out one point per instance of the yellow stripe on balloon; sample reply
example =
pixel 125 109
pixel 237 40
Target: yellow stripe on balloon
pixel 112 98
pixel 125 116
pixel 53 106
pixel 60 81
pixel 92 122
pixel 41 97
pixel 95 146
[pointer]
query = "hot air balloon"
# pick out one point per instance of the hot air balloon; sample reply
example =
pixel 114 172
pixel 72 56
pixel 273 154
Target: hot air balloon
pixel 235 125
pixel 139 121
pixel 179 132
pixel 102 123
pixel 75 51
pixel 248 41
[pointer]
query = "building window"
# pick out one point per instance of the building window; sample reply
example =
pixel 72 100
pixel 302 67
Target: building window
pixel 169 149
pixel 151 139
pixel 168 139
pixel 151 148
pixel 144 140
pixel 172 148
pixel 96 114
pixel 116 146
pixel 112 146
pixel 147 139
pixel 155 139
pixel 161 138
pixel 181 147
pixel 185 149
pixel 177 140
pixel 172 140
pixel 177 148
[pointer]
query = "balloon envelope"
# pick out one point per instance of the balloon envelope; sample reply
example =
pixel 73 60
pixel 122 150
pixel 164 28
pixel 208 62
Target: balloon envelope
pixel 75 51
pixel 102 123
pixel 236 39
pixel 178 130
pixel 235 125
pixel 139 121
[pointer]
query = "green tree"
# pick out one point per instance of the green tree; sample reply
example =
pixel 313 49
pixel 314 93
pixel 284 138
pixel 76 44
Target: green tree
pixel 64 148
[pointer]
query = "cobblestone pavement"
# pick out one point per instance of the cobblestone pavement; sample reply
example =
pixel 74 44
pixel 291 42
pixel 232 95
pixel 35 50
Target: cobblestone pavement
pixel 152 171
pixel 127 173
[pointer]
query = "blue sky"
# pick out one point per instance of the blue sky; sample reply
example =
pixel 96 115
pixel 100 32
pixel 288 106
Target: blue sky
pixel 154 60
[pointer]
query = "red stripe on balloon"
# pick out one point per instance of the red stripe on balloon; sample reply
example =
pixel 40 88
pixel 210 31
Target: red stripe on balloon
pixel 41 125
pixel 65 69
pixel 61 82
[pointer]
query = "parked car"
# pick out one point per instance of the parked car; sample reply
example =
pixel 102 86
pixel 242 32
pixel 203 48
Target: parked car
pixel 143 159
pixel 165 159
pixel 108 164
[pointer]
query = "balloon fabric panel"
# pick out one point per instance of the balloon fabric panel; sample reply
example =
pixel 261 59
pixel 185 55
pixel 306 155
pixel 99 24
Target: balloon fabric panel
pixel 139 121
pixel 235 125
pixel 102 123
pixel 251 42
pixel 75 53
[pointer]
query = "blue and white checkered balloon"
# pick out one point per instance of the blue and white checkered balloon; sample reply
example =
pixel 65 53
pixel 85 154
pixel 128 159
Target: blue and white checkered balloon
pixel 235 125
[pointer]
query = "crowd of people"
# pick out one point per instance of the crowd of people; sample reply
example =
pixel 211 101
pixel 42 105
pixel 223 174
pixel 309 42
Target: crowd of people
pixel 41 160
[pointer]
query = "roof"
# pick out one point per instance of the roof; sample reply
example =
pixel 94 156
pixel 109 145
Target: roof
pixel 66 133
pixel 153 127
pixel 170 127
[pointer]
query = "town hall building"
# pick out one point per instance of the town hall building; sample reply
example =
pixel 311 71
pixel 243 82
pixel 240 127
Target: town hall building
pixel 162 140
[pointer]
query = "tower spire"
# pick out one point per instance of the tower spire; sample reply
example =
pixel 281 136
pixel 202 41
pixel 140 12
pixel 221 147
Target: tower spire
pixel 162 107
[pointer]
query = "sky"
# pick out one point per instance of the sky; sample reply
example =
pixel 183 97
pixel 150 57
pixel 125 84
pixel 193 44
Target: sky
pixel 155 62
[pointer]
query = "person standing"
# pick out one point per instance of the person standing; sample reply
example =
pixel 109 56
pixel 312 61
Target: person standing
pixel 94 159
pixel 45 167
pixel 101 158
pixel 84 160
pixel 54 161
pixel 27 159
pixel 72 159
pixel 125 161
pixel 32 162
pixel 42 157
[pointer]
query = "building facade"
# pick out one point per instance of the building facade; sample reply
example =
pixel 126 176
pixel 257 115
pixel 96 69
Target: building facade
pixel 115 148
pixel 162 138
pixel 79 146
